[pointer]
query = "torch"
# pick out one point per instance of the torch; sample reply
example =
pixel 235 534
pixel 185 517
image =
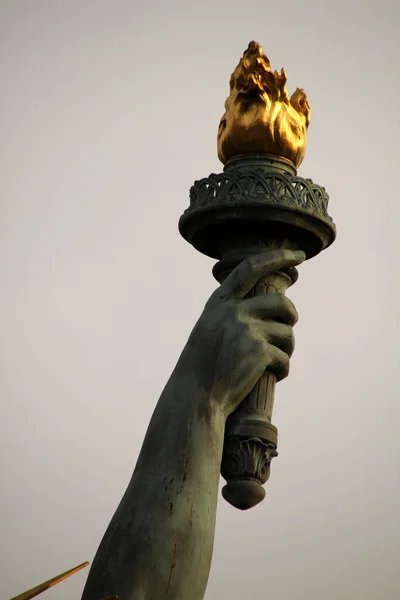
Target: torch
pixel 257 203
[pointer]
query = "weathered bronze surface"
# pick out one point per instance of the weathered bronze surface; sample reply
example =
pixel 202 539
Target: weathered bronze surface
pixel 259 115
pixel 260 220
pixel 258 203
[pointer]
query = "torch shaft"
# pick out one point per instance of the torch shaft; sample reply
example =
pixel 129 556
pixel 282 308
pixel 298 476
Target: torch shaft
pixel 250 438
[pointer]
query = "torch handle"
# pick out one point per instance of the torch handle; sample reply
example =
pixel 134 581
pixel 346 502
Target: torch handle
pixel 250 438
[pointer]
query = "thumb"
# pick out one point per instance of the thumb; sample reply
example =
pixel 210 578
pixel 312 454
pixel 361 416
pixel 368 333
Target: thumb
pixel 245 276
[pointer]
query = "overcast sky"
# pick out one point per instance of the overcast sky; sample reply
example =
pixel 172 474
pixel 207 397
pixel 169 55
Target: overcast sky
pixel 109 112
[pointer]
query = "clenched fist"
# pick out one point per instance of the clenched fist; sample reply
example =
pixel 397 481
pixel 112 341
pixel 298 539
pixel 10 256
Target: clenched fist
pixel 237 338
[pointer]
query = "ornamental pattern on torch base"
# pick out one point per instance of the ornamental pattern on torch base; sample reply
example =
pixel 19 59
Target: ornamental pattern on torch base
pixel 259 187
pixel 247 458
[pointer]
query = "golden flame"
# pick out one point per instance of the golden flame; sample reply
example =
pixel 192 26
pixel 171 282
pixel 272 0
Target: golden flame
pixel 259 115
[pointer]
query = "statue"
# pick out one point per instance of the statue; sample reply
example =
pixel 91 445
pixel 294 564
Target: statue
pixel 260 221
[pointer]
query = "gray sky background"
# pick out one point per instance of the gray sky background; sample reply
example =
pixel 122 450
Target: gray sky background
pixel 109 111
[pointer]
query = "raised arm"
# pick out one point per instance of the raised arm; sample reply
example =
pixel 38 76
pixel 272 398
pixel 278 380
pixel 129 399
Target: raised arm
pixel 159 542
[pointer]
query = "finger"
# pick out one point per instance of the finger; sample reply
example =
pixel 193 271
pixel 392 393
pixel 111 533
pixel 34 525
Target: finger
pixel 279 363
pixel 270 306
pixel 278 335
pixel 245 276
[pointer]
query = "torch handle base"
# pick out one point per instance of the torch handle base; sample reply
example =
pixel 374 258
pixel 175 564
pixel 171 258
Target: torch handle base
pixel 243 493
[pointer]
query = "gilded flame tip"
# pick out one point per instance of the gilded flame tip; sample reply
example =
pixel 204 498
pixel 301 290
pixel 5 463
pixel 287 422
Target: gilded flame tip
pixel 260 117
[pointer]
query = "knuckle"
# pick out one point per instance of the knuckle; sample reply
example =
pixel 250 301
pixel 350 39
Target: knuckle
pixel 289 310
pixel 257 346
pixel 255 339
pixel 287 255
pixel 237 319
pixel 235 311
pixel 285 360
pixel 283 366
pixel 290 339
pixel 280 300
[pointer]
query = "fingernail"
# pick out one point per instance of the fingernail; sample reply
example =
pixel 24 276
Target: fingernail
pixel 300 255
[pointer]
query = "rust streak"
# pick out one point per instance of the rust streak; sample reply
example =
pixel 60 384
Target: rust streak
pixel 173 561
pixel 191 514
pixel 185 468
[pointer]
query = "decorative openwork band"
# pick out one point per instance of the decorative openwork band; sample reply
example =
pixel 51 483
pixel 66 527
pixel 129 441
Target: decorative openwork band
pixel 260 187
